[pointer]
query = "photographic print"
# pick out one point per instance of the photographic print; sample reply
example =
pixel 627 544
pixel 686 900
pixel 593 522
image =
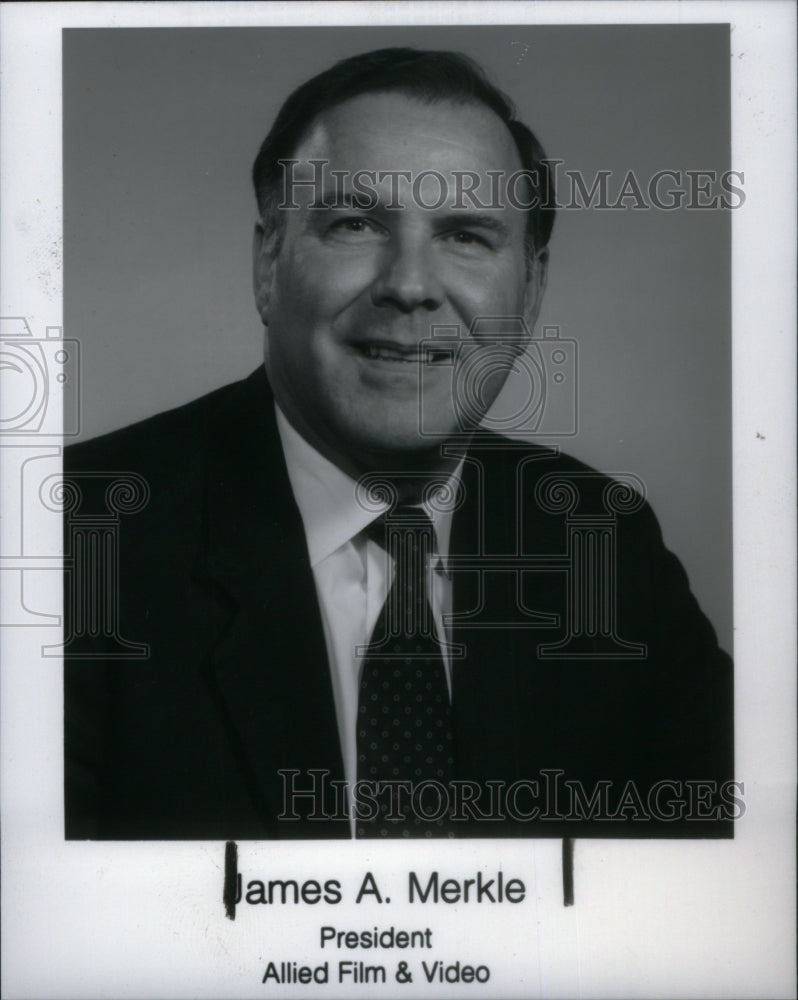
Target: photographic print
pixel 376 540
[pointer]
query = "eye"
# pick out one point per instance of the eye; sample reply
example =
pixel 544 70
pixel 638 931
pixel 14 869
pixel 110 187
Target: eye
pixel 354 227
pixel 468 238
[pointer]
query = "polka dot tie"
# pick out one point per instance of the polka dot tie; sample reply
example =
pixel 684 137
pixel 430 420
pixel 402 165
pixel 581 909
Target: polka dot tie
pixel 404 725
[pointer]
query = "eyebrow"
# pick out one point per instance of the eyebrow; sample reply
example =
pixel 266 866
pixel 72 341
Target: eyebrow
pixel 348 199
pixel 481 221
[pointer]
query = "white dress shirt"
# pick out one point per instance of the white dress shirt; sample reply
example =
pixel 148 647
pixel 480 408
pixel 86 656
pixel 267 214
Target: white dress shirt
pixel 353 574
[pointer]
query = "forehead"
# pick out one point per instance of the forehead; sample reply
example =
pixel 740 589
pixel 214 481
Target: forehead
pixel 393 131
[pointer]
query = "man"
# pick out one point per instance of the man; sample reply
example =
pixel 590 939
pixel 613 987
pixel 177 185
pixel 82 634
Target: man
pixel 363 614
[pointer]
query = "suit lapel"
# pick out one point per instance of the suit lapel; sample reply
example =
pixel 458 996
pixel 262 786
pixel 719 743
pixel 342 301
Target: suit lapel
pixel 268 671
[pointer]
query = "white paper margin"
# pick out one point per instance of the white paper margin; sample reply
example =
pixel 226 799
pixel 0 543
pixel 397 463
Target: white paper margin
pixel 680 919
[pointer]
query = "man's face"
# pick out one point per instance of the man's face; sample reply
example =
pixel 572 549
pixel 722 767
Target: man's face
pixel 351 291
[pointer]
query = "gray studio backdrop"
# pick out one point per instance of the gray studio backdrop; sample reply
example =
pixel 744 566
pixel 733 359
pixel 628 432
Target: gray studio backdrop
pixel 160 130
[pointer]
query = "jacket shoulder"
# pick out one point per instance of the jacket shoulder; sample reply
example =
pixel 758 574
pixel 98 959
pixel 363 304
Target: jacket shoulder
pixel 166 440
pixel 504 456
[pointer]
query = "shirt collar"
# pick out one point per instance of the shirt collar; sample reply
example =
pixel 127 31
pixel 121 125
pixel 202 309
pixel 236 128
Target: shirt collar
pixel 327 500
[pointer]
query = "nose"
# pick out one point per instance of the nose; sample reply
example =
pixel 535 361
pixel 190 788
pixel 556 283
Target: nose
pixel 407 279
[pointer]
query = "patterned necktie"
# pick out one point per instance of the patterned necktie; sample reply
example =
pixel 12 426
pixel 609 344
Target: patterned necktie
pixel 404 724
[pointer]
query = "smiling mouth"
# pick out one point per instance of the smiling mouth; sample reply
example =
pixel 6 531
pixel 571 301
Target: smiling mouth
pixel 399 355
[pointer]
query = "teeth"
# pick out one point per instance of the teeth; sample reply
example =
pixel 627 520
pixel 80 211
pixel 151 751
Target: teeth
pixel 390 354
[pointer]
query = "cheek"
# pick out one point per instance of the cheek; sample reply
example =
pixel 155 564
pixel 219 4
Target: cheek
pixel 486 291
pixel 321 282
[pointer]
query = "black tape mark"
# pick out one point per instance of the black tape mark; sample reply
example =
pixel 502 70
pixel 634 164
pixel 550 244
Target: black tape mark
pixel 230 879
pixel 567 871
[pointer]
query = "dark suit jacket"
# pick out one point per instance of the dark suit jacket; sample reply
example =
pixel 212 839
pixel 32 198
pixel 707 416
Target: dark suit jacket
pixel 213 576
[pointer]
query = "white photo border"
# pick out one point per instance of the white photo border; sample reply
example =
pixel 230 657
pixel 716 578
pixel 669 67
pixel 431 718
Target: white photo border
pixel 652 918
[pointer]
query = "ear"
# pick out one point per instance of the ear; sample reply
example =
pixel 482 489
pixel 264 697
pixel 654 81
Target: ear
pixel 535 286
pixel 263 256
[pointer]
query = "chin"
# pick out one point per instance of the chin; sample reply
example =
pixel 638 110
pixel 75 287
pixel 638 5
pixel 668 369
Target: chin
pixel 400 453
